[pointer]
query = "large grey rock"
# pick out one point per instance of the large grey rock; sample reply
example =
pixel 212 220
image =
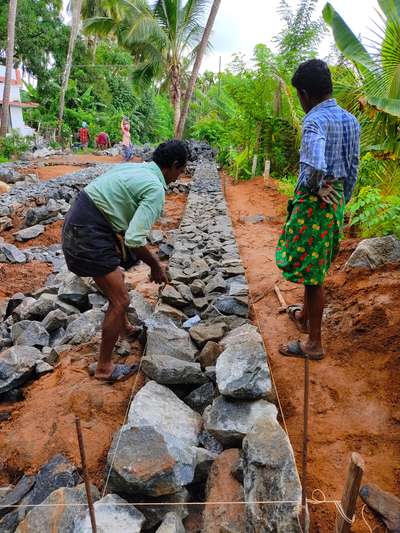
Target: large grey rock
pixel 10 254
pixel 60 511
pixel 204 461
pixel 165 338
pixel 163 505
pixel 165 311
pixel 17 364
pixel 158 407
pixel 34 215
pixel 23 310
pixel 201 397
pixel 172 523
pixel 58 472
pixel 228 305
pixel 171 296
pixel 40 308
pixel 141 463
pixel 216 284
pixel 29 333
pixel 204 332
pixel 29 233
pixel 242 372
pixel 112 517
pixel 83 328
pixel 376 252
pixel 230 421
pixel 270 474
pixel 74 291
pixel 140 309
pixel 244 333
pixel 169 370
pixel 15 494
pixel 5 223
pixel 54 320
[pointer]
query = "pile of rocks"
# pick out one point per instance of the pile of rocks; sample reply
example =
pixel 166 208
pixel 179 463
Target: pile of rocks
pixel 209 387
pixel 59 497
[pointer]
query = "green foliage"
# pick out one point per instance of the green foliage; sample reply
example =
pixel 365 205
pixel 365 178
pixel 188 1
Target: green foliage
pixel 287 185
pixel 13 145
pixel 375 207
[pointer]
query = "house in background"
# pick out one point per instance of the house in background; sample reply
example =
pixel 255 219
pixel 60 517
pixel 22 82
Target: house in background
pixel 16 106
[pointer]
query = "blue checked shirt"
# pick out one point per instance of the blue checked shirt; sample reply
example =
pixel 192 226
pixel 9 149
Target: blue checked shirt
pixel 330 148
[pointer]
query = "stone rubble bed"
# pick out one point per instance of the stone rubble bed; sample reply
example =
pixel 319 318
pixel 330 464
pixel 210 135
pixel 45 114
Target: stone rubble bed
pixel 208 386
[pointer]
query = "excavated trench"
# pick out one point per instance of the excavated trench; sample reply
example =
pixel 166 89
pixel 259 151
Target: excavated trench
pixel 202 415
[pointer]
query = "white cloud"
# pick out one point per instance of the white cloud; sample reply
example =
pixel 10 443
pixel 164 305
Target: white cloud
pixel 240 25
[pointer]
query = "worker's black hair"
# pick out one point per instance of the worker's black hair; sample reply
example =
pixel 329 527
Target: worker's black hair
pixel 169 152
pixel 313 77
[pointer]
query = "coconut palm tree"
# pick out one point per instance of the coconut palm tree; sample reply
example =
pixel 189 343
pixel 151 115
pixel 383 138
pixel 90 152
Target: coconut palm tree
pixel 196 67
pixel 376 79
pixel 5 115
pixel 159 35
pixel 75 7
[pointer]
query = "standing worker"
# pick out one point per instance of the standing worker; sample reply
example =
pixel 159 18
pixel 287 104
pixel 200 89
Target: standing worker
pixel 106 229
pixel 84 135
pixel 329 158
pixel 127 148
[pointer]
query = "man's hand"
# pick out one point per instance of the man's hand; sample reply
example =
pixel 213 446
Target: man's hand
pixel 329 194
pixel 158 275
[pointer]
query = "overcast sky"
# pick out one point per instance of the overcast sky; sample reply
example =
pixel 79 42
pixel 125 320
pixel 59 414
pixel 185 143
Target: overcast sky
pixel 241 24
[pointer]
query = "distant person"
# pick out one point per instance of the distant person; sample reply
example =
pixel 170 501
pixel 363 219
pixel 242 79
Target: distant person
pixel 329 158
pixel 103 141
pixel 127 148
pixel 84 135
pixel 106 229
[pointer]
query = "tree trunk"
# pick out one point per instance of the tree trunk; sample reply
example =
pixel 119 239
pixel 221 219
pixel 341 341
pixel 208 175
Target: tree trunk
pixel 196 67
pixel 76 15
pixel 176 93
pixel 5 115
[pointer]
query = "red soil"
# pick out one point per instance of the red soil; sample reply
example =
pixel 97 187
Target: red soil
pixel 354 403
pixel 22 278
pixel 43 423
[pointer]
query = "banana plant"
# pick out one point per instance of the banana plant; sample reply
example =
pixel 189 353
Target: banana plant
pixel 378 74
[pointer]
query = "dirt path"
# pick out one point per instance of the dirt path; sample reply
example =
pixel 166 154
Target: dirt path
pixel 43 423
pixel 355 391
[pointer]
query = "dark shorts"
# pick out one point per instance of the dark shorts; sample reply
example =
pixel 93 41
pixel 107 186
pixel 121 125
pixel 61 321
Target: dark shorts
pixel 90 245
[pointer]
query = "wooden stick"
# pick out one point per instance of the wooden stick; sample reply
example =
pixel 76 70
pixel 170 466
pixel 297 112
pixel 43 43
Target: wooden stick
pixel 305 443
pixel 280 298
pixel 85 473
pixel 349 499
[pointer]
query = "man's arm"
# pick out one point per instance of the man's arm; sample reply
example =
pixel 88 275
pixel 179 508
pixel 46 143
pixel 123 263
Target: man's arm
pixel 350 183
pixel 147 213
pixel 312 157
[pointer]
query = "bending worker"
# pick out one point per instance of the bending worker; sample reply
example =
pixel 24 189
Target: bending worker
pixel 106 229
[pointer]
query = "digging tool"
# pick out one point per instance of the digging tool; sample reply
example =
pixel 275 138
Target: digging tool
pixel 281 299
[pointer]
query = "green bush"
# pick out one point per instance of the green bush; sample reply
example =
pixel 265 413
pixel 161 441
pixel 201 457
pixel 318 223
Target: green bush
pixel 13 145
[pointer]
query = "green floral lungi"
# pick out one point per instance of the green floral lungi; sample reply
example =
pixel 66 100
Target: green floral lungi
pixel 311 237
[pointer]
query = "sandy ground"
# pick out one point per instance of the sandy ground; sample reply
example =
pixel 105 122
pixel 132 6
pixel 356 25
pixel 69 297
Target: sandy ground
pixel 355 390
pixel 43 423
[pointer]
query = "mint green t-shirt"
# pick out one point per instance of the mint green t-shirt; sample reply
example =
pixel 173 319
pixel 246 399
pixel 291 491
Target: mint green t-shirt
pixel 131 196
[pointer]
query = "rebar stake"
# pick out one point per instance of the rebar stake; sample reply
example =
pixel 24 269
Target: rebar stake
pixel 85 474
pixel 305 443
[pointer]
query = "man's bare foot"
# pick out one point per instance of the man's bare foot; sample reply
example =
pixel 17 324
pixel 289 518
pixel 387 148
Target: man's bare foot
pixel 101 372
